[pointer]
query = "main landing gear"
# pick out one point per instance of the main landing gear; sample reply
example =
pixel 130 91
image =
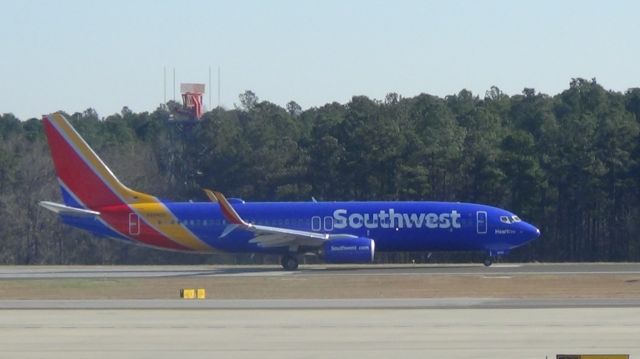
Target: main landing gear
pixel 289 262
pixel 488 261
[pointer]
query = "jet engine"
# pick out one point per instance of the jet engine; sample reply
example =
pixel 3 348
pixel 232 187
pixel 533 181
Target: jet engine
pixel 350 250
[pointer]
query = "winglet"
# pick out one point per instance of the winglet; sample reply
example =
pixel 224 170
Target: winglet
pixel 210 194
pixel 228 212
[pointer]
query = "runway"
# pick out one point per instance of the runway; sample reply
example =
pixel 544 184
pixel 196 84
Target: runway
pixel 319 304
pixel 373 311
pixel 43 272
pixel 329 333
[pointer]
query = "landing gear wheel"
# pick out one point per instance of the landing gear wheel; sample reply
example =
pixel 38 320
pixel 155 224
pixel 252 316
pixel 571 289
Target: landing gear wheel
pixel 289 262
pixel 488 262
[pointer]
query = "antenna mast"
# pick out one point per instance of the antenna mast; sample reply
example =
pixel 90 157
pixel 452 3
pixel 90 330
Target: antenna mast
pixel 210 106
pixel 174 84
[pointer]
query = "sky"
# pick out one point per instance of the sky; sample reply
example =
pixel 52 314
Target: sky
pixel 73 55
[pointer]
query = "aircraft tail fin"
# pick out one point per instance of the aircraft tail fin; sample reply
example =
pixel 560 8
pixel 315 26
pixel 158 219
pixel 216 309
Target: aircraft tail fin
pixel 85 180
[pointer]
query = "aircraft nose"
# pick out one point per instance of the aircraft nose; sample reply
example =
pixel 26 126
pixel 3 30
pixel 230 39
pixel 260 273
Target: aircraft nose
pixel 532 232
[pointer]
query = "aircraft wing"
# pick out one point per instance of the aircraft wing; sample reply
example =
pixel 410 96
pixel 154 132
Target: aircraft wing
pixel 267 236
pixel 69 211
pixel 277 237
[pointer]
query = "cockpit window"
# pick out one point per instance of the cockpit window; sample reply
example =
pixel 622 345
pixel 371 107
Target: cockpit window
pixel 516 219
pixel 505 219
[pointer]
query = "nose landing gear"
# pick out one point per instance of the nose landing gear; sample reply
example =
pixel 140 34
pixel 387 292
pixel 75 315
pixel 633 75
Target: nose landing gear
pixel 492 256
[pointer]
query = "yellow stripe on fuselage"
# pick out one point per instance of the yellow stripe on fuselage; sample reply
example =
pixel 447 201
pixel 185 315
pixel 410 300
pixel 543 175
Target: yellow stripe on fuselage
pixel 159 217
pixel 148 207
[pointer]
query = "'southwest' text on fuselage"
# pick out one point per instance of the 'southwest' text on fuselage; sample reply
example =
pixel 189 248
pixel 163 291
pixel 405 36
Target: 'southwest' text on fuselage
pixel 390 219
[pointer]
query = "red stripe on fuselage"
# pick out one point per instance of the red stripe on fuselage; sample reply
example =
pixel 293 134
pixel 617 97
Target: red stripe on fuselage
pixel 93 192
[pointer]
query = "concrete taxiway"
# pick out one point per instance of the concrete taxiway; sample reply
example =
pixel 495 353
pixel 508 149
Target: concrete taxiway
pixel 310 333
pixel 299 304
pixel 530 323
pixel 43 272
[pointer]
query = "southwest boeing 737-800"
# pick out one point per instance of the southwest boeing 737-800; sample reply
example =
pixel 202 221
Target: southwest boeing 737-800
pixel 339 232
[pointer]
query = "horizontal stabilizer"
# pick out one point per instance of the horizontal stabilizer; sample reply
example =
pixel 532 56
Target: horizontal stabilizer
pixel 68 211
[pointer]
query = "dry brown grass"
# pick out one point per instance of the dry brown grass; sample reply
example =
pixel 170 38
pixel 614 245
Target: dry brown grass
pixel 335 287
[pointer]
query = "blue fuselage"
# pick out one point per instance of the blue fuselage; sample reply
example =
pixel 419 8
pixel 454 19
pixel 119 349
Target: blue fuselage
pixel 394 226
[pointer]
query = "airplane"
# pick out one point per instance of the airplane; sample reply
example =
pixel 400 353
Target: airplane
pixel 338 232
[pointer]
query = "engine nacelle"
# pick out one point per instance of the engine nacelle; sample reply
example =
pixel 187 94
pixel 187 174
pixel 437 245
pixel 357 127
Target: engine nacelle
pixel 350 250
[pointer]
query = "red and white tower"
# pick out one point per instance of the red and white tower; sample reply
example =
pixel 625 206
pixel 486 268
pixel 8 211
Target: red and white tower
pixel 192 98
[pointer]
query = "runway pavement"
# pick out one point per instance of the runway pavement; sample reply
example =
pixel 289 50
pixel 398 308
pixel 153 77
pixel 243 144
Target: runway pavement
pixel 319 328
pixel 318 304
pixel 329 333
pixel 25 272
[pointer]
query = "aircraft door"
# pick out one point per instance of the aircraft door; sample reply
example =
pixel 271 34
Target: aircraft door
pixel 134 224
pixel 481 222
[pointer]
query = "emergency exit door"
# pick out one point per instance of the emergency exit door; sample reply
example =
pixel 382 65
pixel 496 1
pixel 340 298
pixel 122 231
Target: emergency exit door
pixel 134 224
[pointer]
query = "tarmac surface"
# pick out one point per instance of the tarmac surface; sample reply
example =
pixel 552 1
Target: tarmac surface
pixel 319 304
pixel 473 327
pixel 43 272
pixel 327 333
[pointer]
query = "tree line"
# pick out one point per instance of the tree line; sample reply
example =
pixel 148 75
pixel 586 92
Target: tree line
pixel 567 163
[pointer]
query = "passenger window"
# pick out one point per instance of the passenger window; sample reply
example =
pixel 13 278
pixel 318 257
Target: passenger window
pixel 316 223
pixel 328 224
